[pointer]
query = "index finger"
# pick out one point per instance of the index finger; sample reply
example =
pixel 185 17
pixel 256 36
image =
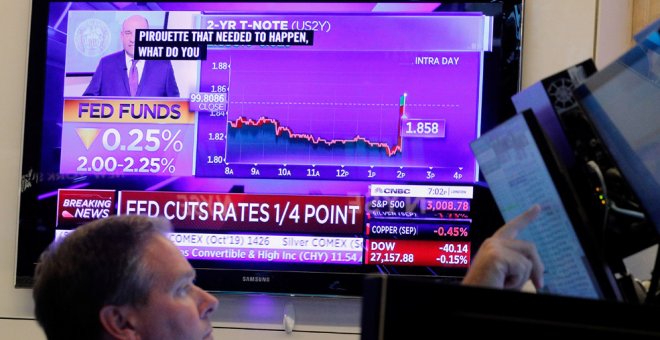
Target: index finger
pixel 511 229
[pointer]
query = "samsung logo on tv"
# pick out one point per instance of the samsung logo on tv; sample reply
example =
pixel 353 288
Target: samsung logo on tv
pixel 257 279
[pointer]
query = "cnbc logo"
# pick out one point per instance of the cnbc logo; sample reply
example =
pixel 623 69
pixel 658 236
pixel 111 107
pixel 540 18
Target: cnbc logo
pixel 384 190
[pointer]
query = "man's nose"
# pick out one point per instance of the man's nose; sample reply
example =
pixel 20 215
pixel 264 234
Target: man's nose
pixel 208 303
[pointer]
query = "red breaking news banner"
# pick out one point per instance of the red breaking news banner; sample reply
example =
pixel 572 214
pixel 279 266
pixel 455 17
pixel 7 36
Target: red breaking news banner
pixel 77 206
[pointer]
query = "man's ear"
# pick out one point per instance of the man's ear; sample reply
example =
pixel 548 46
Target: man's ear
pixel 117 322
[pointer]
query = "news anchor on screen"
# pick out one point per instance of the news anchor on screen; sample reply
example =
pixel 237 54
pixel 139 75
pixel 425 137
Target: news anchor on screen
pixel 118 74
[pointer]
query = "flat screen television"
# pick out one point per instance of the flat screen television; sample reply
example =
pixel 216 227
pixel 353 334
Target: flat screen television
pixel 295 147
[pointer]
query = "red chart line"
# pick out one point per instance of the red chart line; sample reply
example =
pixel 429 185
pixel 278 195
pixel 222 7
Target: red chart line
pixel 279 130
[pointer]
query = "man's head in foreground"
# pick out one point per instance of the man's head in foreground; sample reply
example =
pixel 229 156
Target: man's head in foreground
pixel 120 278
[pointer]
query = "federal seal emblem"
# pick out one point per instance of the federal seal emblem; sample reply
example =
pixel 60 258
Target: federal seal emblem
pixel 92 37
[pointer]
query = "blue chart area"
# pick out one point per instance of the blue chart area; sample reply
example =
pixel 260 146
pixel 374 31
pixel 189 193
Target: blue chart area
pixel 337 108
pixel 340 108
pixel 266 141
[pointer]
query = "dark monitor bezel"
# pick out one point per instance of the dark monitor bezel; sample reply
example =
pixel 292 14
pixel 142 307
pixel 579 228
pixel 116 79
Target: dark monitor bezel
pixel 616 146
pixel 582 222
pixel 399 308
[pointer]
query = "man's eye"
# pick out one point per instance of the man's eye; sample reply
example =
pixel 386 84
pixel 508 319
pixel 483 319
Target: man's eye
pixel 183 290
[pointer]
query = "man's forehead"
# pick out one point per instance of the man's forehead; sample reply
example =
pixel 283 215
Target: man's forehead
pixel 164 259
pixel 134 22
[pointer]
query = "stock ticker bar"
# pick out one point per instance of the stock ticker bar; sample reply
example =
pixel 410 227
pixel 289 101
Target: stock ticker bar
pixel 271 248
pixel 298 228
pixel 418 225
pixel 418 253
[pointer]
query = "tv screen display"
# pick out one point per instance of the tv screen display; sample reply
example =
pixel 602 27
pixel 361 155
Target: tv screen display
pixel 294 147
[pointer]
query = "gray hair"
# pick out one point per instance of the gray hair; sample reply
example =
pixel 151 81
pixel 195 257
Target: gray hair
pixel 98 264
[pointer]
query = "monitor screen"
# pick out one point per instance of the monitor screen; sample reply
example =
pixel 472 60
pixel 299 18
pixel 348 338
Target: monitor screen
pixel 293 146
pixel 522 170
pixel 557 111
pixel 627 122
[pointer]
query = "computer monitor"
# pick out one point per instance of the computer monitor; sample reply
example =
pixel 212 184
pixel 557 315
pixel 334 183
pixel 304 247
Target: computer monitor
pixel 551 99
pixel 522 169
pixel 622 101
pixel 590 167
pixel 397 308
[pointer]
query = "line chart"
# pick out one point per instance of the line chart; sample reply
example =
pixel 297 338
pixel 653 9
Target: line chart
pixel 359 109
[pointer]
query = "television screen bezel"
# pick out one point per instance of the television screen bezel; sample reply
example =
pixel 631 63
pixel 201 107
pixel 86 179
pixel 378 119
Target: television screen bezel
pixel 35 234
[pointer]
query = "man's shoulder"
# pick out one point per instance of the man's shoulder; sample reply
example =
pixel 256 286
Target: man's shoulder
pixel 113 57
pixel 158 64
pixel 159 61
